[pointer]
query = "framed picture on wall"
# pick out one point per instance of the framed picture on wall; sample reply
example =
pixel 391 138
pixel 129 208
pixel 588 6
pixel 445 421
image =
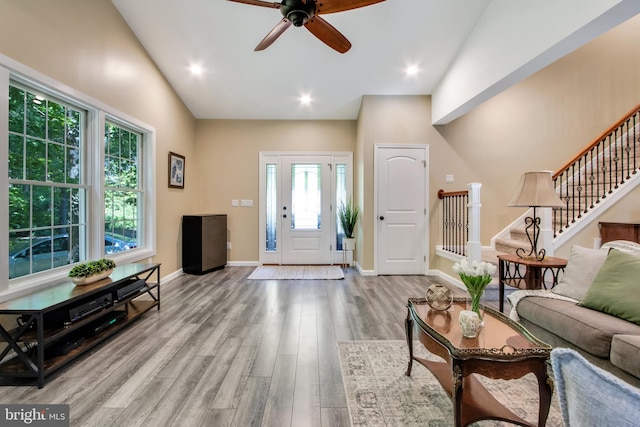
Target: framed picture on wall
pixel 176 170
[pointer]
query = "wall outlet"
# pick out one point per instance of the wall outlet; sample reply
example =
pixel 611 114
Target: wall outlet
pixel 228 245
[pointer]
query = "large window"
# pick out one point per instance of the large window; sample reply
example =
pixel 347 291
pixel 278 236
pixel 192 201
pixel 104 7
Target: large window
pixel 46 188
pixel 76 182
pixel 123 193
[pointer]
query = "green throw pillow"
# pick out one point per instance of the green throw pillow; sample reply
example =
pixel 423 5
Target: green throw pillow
pixel 616 288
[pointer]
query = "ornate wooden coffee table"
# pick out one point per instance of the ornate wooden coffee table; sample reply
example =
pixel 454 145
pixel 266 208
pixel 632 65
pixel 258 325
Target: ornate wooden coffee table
pixel 504 350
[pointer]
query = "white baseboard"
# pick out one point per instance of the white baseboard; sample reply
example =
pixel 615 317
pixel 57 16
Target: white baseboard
pixel 243 263
pixel 365 272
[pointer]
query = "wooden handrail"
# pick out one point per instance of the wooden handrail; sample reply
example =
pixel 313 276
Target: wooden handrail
pixel 442 194
pixel 595 142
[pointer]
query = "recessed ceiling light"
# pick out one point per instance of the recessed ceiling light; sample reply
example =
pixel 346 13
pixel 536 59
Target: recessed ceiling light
pixel 196 69
pixel 305 99
pixel 412 70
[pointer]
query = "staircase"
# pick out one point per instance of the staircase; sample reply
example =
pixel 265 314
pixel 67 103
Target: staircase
pixel 598 175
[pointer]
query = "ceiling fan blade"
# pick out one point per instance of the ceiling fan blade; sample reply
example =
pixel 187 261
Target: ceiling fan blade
pixel 277 31
pixel 259 3
pixel 328 34
pixel 333 6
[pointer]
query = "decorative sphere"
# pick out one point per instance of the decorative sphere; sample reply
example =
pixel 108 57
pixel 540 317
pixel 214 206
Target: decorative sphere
pixel 439 297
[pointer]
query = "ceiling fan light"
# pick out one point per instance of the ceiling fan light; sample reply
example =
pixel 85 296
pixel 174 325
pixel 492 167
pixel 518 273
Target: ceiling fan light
pixel 298 17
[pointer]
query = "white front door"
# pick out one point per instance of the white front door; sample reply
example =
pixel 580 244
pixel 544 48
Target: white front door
pixel 306 217
pixel 401 179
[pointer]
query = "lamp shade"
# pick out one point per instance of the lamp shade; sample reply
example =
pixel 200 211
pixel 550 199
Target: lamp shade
pixel 536 189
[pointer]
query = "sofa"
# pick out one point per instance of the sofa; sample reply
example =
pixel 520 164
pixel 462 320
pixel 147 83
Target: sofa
pixel 594 309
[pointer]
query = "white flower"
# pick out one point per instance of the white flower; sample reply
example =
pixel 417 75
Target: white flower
pixel 474 269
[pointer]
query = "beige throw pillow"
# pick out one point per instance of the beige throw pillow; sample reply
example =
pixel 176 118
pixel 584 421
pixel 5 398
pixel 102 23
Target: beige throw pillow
pixel 582 267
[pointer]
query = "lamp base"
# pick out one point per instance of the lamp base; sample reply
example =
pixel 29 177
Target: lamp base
pixel 533 231
pixel 530 257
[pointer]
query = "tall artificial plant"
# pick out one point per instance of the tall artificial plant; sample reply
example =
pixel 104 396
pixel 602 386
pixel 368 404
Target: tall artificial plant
pixel 348 214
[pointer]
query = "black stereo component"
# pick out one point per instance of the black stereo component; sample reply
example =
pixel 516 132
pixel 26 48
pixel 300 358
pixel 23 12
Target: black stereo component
pixel 65 347
pixel 90 307
pixel 106 322
pixel 131 289
pixel 65 317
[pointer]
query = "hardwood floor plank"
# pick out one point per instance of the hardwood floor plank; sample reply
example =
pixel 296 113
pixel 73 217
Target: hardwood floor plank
pixel 306 398
pixel 204 393
pixel 279 404
pixel 143 405
pixel 335 417
pixel 235 378
pixel 219 418
pixel 167 409
pixel 252 402
pixel 141 379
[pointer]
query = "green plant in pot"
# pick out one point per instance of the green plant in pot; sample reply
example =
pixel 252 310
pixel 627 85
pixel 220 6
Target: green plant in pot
pixel 348 215
pixel 91 271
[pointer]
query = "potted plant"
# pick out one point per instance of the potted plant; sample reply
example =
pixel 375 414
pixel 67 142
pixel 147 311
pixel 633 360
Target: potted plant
pixel 348 215
pixel 91 271
pixel 475 276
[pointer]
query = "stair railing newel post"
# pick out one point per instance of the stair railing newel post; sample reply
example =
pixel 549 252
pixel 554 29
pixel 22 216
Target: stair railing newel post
pixel 474 246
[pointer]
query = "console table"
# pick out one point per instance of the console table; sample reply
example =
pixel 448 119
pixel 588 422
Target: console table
pixel 509 273
pixel 56 325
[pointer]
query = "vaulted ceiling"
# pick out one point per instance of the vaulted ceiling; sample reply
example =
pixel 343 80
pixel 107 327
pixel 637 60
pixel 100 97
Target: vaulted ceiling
pixel 219 36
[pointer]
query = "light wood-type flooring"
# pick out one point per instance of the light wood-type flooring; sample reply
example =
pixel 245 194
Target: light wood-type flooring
pixel 227 351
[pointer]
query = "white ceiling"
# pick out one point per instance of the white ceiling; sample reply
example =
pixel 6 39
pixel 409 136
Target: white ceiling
pixel 466 50
pixel 238 83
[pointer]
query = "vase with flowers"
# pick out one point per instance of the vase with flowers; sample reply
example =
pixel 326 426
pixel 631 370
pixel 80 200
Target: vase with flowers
pixel 475 276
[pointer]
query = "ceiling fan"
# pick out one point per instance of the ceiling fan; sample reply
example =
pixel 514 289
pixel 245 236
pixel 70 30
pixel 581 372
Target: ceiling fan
pixel 305 12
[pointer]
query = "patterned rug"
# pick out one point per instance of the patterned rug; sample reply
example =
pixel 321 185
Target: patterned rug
pixel 380 394
pixel 297 272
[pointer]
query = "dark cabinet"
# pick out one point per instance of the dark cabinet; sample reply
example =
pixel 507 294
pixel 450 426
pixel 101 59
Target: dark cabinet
pixel 204 243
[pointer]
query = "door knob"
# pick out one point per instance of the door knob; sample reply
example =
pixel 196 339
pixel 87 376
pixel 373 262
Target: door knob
pixel 381 218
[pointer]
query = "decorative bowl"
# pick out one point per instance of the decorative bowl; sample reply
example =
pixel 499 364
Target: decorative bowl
pixel 85 280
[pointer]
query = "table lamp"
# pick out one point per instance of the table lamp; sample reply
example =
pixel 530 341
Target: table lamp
pixel 535 190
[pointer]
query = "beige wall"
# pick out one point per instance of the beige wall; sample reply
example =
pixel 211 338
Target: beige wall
pixel 397 120
pixel 88 46
pixel 228 164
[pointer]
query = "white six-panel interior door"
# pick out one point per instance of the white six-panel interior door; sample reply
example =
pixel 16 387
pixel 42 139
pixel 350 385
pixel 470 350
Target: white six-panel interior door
pixel 401 182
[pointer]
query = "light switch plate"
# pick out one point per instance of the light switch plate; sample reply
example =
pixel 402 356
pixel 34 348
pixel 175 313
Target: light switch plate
pixel 246 203
pixel 235 202
pixel 448 178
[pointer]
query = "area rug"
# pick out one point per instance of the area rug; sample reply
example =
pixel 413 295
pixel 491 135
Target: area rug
pixel 297 272
pixel 380 394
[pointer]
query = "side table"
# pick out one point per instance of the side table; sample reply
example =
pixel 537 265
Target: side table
pixel 509 273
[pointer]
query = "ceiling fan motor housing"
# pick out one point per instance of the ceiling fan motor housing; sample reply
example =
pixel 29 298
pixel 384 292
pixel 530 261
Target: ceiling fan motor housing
pixel 298 11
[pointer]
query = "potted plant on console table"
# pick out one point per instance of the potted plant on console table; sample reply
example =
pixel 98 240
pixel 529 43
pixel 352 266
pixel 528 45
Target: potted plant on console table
pixel 348 215
pixel 91 271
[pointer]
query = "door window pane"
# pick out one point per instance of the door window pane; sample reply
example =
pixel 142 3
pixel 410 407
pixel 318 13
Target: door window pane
pixel 341 199
pixel 306 197
pixel 272 207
